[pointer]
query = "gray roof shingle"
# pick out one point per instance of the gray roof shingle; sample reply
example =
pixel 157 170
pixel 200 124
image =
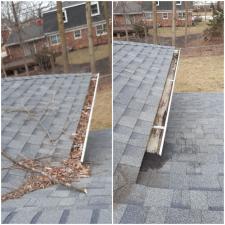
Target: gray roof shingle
pixel 28 32
pixel 185 185
pixel 39 114
pixel 57 204
pixel 140 72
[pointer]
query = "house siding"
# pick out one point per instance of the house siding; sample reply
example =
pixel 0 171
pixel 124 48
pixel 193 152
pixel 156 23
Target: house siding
pixel 146 7
pixel 168 22
pixel 74 44
pixel 15 52
pixel 119 20
pixel 76 16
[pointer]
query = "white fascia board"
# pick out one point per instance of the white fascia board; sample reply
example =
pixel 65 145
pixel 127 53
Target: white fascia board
pixel 168 110
pixel 89 121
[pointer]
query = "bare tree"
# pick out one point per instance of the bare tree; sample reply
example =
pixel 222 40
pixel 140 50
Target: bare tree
pixel 109 34
pixel 205 10
pixel 154 12
pixel 17 27
pixel 38 7
pixel 186 22
pixel 90 37
pixel 62 36
pixel 125 17
pixel 174 24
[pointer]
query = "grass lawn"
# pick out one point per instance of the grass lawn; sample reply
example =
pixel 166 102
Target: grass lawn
pixel 81 56
pixel 167 31
pixel 102 114
pixel 200 74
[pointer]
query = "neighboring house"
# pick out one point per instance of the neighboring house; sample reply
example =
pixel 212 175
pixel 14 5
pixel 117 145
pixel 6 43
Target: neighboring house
pixel 136 12
pixel 75 25
pixel 33 38
pixel 5 32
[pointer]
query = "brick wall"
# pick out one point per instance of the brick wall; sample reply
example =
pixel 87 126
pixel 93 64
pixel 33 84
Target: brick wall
pixel 119 20
pixel 82 42
pixel 15 52
pixel 168 22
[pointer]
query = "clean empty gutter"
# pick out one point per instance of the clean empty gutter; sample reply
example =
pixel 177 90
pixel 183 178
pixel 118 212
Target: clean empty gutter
pixel 158 132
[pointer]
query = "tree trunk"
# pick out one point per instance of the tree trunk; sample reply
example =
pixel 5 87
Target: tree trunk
pixel 174 24
pixel 186 23
pixel 90 37
pixel 62 36
pixel 109 34
pixel 125 27
pixel 154 12
pixel 3 69
pixel 146 33
pixel 205 10
pixel 22 47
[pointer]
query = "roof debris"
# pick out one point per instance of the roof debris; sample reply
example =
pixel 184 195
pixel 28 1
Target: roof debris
pixel 69 170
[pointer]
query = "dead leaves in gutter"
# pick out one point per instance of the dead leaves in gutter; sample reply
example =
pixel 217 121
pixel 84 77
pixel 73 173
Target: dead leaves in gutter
pixel 72 169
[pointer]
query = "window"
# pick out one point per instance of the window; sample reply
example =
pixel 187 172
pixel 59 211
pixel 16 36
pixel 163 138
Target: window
pixel 157 3
pixel 148 16
pixel 181 15
pixel 178 2
pixel 165 16
pixel 55 39
pixel 65 16
pixel 77 34
pixel 94 9
pixel 101 29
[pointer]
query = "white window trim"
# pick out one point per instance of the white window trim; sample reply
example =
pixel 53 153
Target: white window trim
pixel 65 14
pixel 52 44
pixel 180 3
pixel 76 38
pixel 181 18
pixel 150 15
pixel 157 3
pixel 166 16
pixel 98 13
pixel 104 33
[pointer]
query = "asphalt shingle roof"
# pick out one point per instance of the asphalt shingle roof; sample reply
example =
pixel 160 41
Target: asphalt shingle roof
pixel 60 205
pixel 139 75
pixel 187 186
pixel 36 110
pixel 28 32
pixel 56 101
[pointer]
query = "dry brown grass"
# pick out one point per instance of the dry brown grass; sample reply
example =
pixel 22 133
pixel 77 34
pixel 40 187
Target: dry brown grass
pixel 102 114
pixel 81 56
pixel 180 31
pixel 200 74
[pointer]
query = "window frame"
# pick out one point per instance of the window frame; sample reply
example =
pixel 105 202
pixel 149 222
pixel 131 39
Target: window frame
pixel 98 10
pixel 104 32
pixel 181 17
pixel 65 15
pixel 150 18
pixel 167 16
pixel 76 38
pixel 58 39
pixel 180 3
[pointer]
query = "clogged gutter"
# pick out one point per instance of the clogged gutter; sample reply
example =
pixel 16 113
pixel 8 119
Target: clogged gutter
pixel 157 136
pixel 42 175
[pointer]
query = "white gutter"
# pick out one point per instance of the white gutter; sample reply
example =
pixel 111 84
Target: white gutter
pixel 89 120
pixel 168 110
